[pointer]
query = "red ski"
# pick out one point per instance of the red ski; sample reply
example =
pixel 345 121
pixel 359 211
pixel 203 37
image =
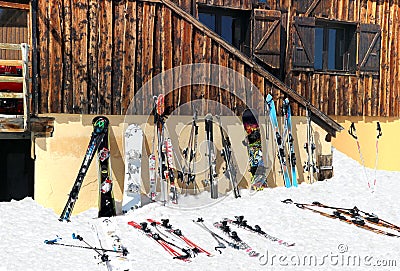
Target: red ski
pixel 142 227
pixel 176 232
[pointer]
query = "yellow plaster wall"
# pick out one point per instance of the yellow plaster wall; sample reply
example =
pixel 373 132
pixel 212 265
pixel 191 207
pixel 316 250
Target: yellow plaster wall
pixel 59 158
pixel 389 146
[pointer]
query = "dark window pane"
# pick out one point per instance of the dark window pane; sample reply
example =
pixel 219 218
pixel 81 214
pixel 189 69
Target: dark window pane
pixel 331 49
pixel 319 47
pixel 208 20
pixel 226 28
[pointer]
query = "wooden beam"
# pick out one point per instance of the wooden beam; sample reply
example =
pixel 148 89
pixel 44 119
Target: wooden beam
pixel 311 8
pixel 15 79
pixel 5 62
pixel 11 95
pixel 10 46
pixel 4 4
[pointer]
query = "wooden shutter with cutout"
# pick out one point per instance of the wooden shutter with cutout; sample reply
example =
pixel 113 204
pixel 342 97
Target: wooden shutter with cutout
pixel 267 36
pixel 303 43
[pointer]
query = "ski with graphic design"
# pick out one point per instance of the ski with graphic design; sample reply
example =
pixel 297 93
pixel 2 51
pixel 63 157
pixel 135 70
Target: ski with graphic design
pixel 254 149
pixel 152 157
pixel 106 196
pixel 310 165
pixel 133 171
pixel 241 223
pixel 178 233
pixel 278 140
pixel 212 164
pixel 226 153
pixel 162 163
pixel 223 226
pixel 287 112
pixel 169 173
pixel 168 246
pixel 100 126
pixel 344 216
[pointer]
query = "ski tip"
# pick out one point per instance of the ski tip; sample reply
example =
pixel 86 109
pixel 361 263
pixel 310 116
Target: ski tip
pixel 268 99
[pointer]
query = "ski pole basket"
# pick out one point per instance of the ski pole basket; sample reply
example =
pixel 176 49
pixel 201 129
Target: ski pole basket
pixel 14 85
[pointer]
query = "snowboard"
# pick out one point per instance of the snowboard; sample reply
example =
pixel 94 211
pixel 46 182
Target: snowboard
pixel 254 149
pixel 133 180
pixel 106 196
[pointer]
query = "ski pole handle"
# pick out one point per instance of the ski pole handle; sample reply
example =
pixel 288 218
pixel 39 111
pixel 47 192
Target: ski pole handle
pixel 352 130
pixel 378 128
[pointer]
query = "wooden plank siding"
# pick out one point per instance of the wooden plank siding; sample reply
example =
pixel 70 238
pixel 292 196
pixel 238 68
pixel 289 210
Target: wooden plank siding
pixel 111 49
pixel 359 93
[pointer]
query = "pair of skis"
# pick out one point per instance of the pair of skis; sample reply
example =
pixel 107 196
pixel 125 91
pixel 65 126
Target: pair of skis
pixel 353 132
pixel 189 154
pixel 166 166
pixel 280 140
pixel 241 223
pixel 167 243
pixel 98 143
pixel 354 216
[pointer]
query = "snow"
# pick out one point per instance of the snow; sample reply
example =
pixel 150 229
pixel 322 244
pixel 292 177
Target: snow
pixel 333 244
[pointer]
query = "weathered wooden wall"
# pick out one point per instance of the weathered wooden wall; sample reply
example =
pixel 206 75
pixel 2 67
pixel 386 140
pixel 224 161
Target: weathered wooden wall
pixel 359 94
pixel 96 55
pixel 12 35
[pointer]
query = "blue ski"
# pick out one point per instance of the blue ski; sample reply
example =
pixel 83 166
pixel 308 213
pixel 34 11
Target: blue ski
pixel 288 127
pixel 278 140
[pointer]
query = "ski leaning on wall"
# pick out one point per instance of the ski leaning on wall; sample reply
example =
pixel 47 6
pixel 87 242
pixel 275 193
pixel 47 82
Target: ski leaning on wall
pixel 211 156
pixel 287 113
pixel 100 129
pixel 278 140
pixel 106 196
pixel 133 157
pixel 310 165
pixel 226 153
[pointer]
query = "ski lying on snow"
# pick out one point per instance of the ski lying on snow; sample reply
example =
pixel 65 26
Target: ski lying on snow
pixel 168 246
pixel 178 233
pixel 342 215
pixel 241 223
pixel 355 212
pixel 218 238
pixel 233 235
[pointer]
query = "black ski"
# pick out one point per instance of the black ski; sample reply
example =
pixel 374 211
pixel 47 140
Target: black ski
pixel 106 196
pixel 226 152
pixel 211 156
pixel 99 132
pixel 223 225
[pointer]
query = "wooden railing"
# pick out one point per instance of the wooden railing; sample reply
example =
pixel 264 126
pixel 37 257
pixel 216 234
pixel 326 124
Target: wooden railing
pixel 24 78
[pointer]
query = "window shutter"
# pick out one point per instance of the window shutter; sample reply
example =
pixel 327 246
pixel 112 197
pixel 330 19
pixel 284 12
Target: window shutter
pixel 369 47
pixel 267 36
pixel 303 43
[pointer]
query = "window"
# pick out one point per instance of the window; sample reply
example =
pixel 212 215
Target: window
pixel 231 25
pixel 333 47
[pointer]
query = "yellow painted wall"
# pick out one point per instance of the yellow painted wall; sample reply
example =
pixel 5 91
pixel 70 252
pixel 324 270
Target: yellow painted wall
pixel 59 158
pixel 389 146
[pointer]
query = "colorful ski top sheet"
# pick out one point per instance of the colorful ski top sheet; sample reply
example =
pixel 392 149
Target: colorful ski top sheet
pixel 290 140
pixel 106 196
pixel 254 149
pixel 278 140
pixel 133 157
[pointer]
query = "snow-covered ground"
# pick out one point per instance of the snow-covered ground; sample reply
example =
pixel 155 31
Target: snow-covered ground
pixel 320 243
